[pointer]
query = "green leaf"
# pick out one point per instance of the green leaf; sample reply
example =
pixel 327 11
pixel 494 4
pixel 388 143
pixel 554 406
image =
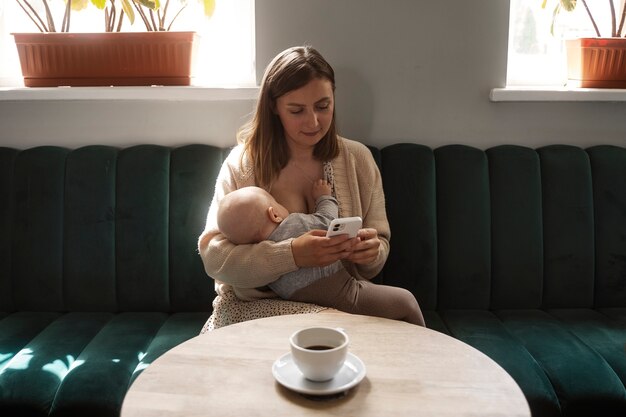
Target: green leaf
pixel 569 5
pixel 150 4
pixel 557 9
pixel 209 7
pixel 129 11
pixel 99 3
pixel 79 4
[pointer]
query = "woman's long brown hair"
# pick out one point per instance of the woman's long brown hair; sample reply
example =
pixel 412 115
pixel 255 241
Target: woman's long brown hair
pixel 264 137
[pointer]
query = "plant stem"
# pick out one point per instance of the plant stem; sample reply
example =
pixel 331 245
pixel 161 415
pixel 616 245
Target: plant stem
pixel 42 27
pixel 113 15
pixel 119 23
pixel 154 25
pixel 65 26
pixel 613 19
pixel 143 16
pixel 49 17
pixel 167 3
pixel 160 19
pixel 592 19
pixel 621 23
pixel 172 22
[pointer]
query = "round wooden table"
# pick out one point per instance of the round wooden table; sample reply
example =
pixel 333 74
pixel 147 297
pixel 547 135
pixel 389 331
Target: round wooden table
pixel 410 370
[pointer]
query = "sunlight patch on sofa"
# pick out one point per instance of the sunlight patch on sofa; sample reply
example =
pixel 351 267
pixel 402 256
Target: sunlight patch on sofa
pixel 60 369
pixel 20 361
pixel 4 359
pixel 141 365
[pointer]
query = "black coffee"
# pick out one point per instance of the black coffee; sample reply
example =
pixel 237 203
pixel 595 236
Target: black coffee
pixel 319 347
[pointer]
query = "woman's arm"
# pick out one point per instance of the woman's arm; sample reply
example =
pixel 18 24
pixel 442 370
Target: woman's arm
pixel 365 184
pixel 245 266
pixel 371 253
pixel 242 266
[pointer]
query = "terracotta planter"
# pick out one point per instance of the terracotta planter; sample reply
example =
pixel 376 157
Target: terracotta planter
pixel 105 59
pixel 596 62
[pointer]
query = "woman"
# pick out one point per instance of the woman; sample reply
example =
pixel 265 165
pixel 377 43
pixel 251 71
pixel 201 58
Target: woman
pixel 290 142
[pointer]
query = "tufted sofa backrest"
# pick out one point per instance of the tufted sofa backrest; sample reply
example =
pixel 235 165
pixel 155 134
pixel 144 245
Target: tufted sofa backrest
pixel 509 227
pixel 105 229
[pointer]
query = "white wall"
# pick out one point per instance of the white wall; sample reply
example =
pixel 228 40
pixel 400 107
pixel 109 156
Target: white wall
pixel 75 123
pixel 421 71
pixel 407 70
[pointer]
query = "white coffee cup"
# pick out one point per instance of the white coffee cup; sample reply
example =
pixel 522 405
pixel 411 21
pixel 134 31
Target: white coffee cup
pixel 319 352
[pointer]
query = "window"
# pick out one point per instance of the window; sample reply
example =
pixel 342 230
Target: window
pixel 536 55
pixel 225 55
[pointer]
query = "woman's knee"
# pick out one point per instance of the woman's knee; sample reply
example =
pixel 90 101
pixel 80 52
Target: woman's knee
pixel 414 312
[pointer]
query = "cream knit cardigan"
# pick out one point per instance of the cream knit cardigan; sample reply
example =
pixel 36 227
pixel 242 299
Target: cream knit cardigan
pixel 247 269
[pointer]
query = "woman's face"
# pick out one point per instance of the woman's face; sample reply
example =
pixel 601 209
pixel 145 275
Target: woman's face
pixel 306 113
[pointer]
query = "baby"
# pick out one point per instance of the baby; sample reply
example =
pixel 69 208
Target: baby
pixel 251 214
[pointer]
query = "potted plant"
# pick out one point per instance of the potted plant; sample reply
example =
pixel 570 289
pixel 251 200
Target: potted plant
pixel 157 56
pixel 596 62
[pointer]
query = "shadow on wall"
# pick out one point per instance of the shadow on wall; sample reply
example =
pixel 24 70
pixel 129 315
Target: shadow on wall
pixel 354 104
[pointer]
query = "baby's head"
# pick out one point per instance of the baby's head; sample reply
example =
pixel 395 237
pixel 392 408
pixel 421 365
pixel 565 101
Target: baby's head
pixel 249 215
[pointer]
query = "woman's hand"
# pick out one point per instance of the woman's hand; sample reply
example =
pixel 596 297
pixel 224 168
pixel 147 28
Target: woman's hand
pixel 315 249
pixel 366 250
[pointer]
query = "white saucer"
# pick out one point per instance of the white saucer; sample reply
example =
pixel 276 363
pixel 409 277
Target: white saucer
pixel 287 374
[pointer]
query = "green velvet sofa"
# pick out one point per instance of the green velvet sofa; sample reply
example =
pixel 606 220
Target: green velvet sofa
pixel 518 252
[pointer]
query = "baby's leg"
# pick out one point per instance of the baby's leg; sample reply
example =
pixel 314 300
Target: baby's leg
pixel 345 293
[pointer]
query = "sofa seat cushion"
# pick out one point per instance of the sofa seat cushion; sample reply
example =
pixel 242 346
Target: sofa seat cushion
pixel 486 332
pixel 582 378
pixel 567 362
pixel 602 333
pixel 81 363
pixel 615 313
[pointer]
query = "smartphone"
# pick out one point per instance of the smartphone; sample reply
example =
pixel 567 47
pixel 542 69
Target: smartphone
pixel 343 226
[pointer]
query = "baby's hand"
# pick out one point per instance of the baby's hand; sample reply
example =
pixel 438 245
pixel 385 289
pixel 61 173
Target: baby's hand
pixel 321 187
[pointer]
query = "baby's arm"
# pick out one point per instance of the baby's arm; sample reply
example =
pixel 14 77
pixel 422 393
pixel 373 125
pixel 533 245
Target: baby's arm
pixel 320 187
pixel 326 210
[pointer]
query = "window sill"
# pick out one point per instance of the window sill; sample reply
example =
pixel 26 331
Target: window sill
pixel 154 93
pixel 548 93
